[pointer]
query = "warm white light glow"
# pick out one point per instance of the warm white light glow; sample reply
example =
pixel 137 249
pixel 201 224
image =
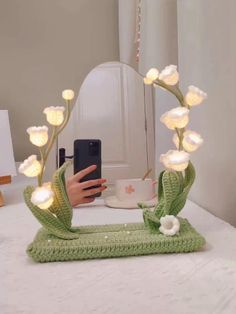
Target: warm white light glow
pixel 42 196
pixel 195 96
pixel 152 74
pixel 31 167
pixel 191 141
pixel 175 160
pixel 55 115
pixel 169 225
pixel 176 118
pixel 38 135
pixel 169 75
pixel 68 94
pixel 147 81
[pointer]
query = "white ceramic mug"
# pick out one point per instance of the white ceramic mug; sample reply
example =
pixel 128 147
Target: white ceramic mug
pixel 135 190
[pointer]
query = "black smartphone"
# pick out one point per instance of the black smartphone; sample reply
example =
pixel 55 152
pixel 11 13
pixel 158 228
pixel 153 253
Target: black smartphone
pixel 87 152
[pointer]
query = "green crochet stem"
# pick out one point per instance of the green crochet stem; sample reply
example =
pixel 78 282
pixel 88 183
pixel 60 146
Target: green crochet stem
pixel 57 218
pixel 173 190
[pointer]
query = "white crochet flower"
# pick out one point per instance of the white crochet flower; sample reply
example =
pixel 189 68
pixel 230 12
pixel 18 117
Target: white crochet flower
pixel 175 160
pixel 169 75
pixel 38 135
pixel 176 118
pixel 30 167
pixel 42 196
pixel 191 141
pixel 194 96
pixel 54 115
pixel 151 76
pixel 68 94
pixel 169 225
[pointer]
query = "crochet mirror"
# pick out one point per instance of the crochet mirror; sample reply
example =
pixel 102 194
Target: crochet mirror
pixel 162 230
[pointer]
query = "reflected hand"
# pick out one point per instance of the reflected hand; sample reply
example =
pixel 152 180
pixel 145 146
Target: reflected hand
pixel 76 190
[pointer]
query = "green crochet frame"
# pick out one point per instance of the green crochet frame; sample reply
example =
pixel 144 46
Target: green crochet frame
pixel 59 241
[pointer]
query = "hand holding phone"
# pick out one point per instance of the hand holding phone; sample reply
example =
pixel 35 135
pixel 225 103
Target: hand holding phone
pixel 77 189
pixel 87 152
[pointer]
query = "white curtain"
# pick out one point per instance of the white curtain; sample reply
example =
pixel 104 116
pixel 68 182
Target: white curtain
pixel 127 31
pixel 159 47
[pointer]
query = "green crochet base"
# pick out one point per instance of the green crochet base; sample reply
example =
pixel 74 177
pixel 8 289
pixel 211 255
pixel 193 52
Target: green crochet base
pixel 118 240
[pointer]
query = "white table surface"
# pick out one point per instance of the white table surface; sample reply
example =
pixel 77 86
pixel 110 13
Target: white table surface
pixel 200 282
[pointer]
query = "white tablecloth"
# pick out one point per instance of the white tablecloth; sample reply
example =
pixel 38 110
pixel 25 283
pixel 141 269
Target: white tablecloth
pixel 200 282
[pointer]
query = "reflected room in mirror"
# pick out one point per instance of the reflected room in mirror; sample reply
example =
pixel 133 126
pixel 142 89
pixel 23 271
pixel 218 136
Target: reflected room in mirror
pixel 111 103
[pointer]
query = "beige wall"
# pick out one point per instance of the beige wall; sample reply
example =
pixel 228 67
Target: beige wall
pixel 46 46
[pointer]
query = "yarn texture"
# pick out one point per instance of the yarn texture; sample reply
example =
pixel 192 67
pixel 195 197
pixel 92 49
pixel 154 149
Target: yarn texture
pixel 58 240
pixel 113 241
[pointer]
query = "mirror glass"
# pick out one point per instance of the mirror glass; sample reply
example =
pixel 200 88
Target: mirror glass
pixel 114 105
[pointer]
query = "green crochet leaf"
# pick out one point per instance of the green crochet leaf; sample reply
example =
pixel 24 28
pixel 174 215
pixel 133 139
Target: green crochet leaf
pixel 60 224
pixel 180 201
pixel 173 190
pixel 61 206
pixel 151 221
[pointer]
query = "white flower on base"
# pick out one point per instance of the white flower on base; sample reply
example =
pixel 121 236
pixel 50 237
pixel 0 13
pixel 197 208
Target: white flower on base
pixel 54 115
pixel 194 96
pixel 169 75
pixel 43 196
pixel 68 94
pixel 191 141
pixel 175 160
pixel 151 76
pixel 38 135
pixel 169 225
pixel 31 167
pixel 176 118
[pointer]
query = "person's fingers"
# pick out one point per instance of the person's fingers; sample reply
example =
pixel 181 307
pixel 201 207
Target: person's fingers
pixel 89 183
pixel 79 175
pixel 93 191
pixel 87 200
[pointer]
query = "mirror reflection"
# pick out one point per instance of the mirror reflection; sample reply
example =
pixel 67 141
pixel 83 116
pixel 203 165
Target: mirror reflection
pixel 114 105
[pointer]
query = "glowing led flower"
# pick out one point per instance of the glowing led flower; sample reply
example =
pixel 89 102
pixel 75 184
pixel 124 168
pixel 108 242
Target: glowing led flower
pixel 68 94
pixel 175 160
pixel 191 141
pixel 54 115
pixel 31 167
pixel 194 96
pixel 42 196
pixel 169 225
pixel 38 135
pixel 151 76
pixel 176 118
pixel 169 75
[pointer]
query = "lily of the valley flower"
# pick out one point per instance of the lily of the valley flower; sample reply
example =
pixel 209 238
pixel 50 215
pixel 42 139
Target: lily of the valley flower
pixel 191 141
pixel 31 167
pixel 194 96
pixel 176 118
pixel 169 75
pixel 175 160
pixel 151 76
pixel 68 94
pixel 169 225
pixel 38 135
pixel 54 115
pixel 42 196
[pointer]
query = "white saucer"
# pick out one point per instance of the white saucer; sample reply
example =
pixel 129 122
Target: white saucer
pixel 112 201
